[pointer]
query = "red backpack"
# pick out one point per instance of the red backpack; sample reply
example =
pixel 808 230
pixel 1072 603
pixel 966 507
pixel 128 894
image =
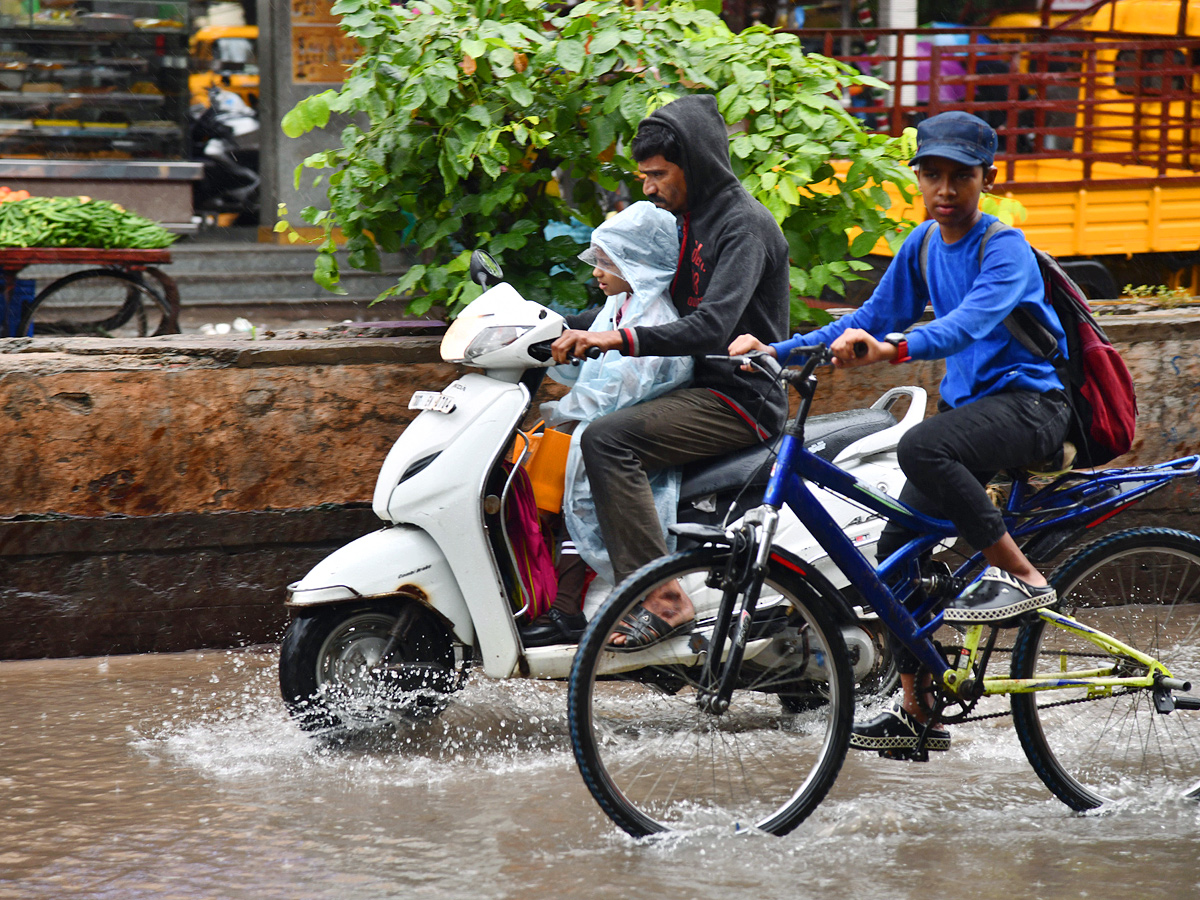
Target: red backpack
pixel 1098 384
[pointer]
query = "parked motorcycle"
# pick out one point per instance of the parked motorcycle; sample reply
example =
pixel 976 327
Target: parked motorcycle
pixel 390 624
pixel 223 135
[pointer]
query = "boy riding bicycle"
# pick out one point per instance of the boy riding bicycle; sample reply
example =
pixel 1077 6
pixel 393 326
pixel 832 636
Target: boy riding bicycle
pixel 1001 405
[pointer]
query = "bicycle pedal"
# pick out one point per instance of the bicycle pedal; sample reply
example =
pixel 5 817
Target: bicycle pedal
pixel 909 754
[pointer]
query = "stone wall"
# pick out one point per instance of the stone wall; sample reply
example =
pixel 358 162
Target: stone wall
pixel 159 494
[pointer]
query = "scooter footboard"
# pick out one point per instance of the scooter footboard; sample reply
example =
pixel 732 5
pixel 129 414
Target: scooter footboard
pixel 398 560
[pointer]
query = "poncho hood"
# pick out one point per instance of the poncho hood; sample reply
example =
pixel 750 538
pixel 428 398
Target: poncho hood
pixel 643 241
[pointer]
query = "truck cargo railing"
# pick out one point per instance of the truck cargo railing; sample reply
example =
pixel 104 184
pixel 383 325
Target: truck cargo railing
pixel 1127 109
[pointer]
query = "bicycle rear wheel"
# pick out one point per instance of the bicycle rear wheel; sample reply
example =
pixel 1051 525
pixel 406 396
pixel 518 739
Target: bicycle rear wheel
pixel 1142 587
pixel 655 761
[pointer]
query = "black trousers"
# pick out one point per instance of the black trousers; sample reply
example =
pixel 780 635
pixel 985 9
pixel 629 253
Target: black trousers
pixel 949 459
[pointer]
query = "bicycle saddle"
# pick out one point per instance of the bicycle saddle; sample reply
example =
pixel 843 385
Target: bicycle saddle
pixel 826 436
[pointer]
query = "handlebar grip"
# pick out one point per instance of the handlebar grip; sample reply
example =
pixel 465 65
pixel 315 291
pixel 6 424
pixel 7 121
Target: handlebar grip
pixel 860 349
pixel 594 353
pixel 540 351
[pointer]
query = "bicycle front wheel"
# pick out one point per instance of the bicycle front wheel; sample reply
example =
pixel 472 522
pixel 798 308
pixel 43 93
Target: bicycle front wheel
pixel 655 760
pixel 1142 587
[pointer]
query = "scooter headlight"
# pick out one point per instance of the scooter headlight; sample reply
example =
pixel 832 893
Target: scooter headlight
pixel 493 339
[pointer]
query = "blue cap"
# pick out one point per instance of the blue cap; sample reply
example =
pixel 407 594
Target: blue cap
pixel 959 136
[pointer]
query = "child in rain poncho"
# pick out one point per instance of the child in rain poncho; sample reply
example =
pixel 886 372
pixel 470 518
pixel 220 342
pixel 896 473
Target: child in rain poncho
pixel 634 255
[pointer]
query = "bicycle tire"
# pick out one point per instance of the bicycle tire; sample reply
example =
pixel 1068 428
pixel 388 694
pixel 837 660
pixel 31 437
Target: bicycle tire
pixel 1096 751
pixel 655 762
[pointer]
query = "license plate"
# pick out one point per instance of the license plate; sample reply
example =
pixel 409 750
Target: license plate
pixel 431 400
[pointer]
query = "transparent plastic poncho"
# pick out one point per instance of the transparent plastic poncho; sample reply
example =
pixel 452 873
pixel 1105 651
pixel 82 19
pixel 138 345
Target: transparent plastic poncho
pixel 643 242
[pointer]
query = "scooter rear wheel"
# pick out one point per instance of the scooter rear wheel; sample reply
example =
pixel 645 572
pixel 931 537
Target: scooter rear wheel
pixel 332 673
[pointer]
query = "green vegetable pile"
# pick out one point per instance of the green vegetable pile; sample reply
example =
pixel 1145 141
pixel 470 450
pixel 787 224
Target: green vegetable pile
pixel 78 222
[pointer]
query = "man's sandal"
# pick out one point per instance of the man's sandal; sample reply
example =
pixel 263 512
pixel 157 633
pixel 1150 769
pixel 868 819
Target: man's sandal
pixel 643 629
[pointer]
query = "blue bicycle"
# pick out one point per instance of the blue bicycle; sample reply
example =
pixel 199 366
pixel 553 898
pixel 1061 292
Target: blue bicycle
pixel 745 720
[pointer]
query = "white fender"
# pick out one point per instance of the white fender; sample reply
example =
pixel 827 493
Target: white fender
pixel 399 559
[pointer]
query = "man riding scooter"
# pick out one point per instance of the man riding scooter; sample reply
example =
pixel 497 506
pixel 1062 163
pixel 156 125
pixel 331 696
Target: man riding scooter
pixel 732 279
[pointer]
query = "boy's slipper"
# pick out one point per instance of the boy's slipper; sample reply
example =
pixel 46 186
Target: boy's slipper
pixel 997 598
pixel 643 629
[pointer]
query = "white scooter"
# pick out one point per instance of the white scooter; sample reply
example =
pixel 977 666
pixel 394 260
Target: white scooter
pixel 390 623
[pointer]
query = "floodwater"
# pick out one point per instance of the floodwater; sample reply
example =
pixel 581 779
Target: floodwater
pixel 180 776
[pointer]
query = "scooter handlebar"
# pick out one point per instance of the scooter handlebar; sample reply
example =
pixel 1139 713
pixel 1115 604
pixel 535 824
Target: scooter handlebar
pixel 541 352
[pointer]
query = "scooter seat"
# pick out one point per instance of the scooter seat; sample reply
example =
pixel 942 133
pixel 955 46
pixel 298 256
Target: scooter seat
pixel 826 436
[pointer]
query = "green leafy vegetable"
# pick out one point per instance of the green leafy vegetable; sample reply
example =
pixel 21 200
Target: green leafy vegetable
pixel 78 222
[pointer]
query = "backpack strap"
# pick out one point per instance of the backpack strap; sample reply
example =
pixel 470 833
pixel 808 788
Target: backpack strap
pixel 1031 334
pixel 1028 331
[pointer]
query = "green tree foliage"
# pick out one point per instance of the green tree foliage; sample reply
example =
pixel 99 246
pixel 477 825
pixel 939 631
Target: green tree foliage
pixel 461 110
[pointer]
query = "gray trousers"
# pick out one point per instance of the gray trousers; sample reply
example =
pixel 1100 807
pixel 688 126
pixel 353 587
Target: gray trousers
pixel 620 448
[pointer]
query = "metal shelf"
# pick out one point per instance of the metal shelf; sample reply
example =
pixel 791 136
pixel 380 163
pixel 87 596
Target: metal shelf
pixel 43 98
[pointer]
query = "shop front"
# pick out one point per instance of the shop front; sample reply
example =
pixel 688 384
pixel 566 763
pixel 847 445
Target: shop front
pixel 94 101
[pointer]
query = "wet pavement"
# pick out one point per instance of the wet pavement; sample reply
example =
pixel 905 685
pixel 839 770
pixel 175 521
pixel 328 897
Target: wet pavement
pixel 180 776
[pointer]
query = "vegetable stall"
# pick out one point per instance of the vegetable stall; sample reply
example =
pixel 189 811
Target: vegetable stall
pixel 113 283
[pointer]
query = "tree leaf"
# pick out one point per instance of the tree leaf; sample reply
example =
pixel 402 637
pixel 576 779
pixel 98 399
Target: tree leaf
pixel 605 41
pixel 633 107
pixel 474 48
pixel 520 92
pixel 863 244
pixel 570 55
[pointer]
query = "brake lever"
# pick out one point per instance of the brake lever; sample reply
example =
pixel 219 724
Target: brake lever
pixel 758 359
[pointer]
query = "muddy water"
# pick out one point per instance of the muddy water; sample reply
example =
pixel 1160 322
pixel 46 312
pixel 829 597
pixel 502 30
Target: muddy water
pixel 180 776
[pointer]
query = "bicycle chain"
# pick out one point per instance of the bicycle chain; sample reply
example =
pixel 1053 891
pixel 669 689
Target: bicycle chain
pixel 1008 712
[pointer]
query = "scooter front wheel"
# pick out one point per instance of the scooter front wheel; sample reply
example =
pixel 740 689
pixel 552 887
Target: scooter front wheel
pixel 340 667
pixel 656 757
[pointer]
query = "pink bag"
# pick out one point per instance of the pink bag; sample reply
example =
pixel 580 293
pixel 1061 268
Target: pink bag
pixel 535 566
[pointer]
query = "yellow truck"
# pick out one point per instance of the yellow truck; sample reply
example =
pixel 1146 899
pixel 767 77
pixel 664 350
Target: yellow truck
pixel 1099 127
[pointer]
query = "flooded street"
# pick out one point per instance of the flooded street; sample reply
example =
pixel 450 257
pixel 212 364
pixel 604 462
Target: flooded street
pixel 180 776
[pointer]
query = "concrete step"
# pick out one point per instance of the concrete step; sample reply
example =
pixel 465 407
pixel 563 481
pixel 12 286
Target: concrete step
pixel 229 274
pixel 290 314
pixel 269 287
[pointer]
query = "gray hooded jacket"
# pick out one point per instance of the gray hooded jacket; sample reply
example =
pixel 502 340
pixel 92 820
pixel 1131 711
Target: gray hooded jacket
pixel 733 269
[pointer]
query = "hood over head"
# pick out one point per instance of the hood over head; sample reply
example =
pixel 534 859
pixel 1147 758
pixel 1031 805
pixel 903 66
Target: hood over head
pixel 643 241
pixel 703 143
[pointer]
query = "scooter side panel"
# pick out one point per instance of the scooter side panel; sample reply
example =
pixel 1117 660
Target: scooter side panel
pixel 400 559
pixel 432 432
pixel 445 500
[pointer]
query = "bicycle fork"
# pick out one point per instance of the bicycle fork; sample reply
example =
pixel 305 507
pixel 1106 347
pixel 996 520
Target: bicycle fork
pixel 743 576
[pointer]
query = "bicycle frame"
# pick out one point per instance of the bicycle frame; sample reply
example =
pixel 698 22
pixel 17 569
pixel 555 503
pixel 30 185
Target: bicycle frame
pixel 1028 511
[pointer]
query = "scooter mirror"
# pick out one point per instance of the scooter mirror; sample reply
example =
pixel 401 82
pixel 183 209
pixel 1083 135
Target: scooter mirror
pixel 485 271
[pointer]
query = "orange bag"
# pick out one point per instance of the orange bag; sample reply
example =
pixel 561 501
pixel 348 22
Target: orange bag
pixel 546 466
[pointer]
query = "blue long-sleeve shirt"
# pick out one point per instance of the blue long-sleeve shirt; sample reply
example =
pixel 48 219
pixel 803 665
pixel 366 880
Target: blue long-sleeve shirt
pixel 970 303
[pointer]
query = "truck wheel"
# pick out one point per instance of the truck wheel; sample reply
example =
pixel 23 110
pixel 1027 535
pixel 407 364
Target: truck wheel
pixel 1092 277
